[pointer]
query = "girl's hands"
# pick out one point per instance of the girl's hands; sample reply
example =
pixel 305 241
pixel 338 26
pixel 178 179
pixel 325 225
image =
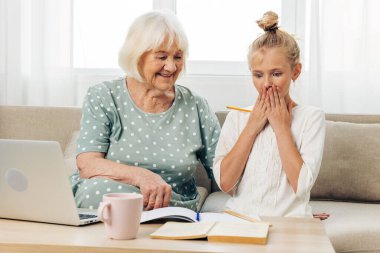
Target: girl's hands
pixel 258 119
pixel 277 111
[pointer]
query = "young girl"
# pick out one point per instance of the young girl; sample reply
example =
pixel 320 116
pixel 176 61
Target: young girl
pixel 269 159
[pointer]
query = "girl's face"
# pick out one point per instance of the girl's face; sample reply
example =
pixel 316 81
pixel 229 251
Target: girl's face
pixel 161 67
pixel 270 67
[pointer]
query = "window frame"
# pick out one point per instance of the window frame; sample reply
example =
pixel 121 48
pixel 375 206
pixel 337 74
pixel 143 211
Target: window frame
pixel 205 73
pixel 213 68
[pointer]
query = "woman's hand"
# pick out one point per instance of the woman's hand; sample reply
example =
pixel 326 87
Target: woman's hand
pixel 321 216
pixel 257 119
pixel 278 113
pixel 156 192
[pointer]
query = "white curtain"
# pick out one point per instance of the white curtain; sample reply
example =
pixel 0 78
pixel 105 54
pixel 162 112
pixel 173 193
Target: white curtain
pixel 340 50
pixel 35 52
pixel 339 45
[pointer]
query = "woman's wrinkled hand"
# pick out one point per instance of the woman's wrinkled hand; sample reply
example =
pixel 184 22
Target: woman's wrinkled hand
pixel 156 192
pixel 321 216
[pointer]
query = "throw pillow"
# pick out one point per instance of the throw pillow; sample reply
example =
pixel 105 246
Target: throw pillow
pixel 350 167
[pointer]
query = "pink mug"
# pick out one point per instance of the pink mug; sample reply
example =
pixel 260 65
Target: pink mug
pixel 121 214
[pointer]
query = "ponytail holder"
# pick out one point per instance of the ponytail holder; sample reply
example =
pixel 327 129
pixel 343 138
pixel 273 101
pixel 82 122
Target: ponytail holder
pixel 271 28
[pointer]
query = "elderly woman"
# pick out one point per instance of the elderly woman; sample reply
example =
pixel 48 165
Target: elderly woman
pixel 143 133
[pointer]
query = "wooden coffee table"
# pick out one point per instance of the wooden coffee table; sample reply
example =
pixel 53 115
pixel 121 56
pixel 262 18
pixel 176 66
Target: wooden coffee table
pixel 286 235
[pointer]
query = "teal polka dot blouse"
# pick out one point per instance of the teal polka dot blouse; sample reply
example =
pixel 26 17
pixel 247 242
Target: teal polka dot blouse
pixel 170 143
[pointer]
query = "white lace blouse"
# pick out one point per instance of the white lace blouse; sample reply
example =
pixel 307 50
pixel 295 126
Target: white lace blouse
pixel 263 188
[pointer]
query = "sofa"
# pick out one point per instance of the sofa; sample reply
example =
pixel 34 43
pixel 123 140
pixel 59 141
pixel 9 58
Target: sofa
pixel 348 185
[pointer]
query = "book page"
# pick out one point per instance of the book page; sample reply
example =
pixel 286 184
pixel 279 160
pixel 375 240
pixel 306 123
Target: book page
pixel 181 230
pixel 179 213
pixel 221 217
pixel 253 232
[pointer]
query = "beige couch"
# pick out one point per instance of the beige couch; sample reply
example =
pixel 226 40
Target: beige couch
pixel 348 186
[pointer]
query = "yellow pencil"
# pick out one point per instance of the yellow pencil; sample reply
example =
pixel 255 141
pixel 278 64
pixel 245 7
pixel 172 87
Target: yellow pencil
pixel 237 108
pixel 241 216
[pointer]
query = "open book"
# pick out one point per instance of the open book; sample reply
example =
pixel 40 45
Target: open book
pixel 184 214
pixel 215 231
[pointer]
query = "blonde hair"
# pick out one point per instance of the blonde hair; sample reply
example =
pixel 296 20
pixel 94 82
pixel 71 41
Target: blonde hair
pixel 275 38
pixel 146 33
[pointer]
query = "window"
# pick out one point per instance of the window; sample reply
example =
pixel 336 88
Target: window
pixel 100 27
pixel 219 31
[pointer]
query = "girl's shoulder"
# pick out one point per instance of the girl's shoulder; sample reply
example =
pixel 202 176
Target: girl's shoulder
pixel 237 115
pixel 306 115
pixel 308 111
pixel 236 119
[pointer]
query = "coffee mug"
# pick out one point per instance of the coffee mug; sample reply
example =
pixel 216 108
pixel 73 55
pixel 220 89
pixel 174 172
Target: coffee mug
pixel 121 214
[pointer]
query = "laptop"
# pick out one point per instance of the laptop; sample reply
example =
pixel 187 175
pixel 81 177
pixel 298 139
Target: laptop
pixel 34 184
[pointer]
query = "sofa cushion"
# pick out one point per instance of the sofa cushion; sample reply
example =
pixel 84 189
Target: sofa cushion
pixel 69 154
pixel 351 227
pixel 350 168
pixel 39 123
pixel 201 178
pixel 203 195
pixel 215 202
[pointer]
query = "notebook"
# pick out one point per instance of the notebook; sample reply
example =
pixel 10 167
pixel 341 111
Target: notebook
pixel 34 185
pixel 215 231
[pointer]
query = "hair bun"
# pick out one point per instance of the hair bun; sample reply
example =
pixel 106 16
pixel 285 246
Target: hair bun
pixel 269 21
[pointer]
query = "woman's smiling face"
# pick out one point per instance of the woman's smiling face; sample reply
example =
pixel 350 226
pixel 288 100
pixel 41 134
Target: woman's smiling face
pixel 161 67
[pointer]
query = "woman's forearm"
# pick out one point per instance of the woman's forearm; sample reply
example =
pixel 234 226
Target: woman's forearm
pixel 91 166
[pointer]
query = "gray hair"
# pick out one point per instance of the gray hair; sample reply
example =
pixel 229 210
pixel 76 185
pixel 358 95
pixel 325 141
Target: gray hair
pixel 148 32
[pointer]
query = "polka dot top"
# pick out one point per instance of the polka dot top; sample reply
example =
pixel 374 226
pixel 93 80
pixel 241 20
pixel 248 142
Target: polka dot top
pixel 169 143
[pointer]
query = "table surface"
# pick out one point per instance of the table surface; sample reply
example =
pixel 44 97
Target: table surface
pixel 285 235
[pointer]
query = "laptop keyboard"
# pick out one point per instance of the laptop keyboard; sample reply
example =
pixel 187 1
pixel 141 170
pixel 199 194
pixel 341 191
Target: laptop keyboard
pixel 83 216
